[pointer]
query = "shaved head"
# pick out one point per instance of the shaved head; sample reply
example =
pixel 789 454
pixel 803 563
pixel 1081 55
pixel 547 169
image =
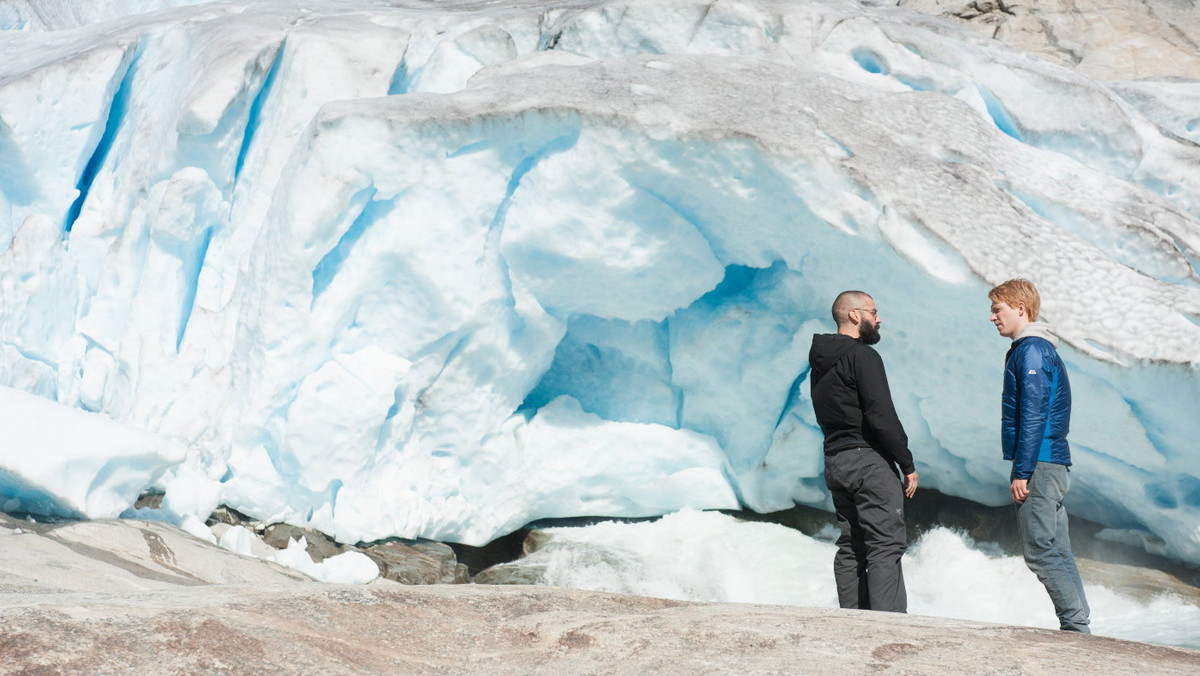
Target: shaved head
pixel 845 302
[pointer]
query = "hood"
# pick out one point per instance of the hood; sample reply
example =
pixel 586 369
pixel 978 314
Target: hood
pixel 827 348
pixel 1039 329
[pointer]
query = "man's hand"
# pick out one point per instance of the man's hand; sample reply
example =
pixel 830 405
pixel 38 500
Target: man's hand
pixel 1020 490
pixel 910 484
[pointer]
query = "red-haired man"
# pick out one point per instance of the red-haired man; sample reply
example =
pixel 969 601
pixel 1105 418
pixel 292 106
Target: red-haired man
pixel 1035 419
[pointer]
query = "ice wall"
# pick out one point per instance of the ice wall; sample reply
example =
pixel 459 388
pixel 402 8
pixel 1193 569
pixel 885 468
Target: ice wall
pixel 440 269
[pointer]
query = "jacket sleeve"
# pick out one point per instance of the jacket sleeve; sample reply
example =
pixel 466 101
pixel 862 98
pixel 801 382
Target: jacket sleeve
pixel 1034 377
pixel 879 414
pixel 1008 412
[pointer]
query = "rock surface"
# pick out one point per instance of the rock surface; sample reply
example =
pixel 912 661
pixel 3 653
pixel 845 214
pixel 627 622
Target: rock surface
pixel 1102 39
pixel 138 597
pixel 417 562
pixel 318 545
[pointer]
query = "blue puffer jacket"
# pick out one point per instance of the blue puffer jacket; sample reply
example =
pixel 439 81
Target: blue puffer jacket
pixel 1037 403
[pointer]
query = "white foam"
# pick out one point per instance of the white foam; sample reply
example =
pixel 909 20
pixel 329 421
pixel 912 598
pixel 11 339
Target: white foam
pixel 705 556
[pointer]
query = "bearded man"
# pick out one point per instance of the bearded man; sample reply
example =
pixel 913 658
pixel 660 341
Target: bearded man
pixel 864 445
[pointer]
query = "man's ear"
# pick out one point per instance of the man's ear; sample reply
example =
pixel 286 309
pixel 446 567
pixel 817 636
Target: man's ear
pixel 1021 309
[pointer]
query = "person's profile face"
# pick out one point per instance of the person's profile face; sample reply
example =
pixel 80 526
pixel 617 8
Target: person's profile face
pixel 1006 318
pixel 868 314
pixel 868 323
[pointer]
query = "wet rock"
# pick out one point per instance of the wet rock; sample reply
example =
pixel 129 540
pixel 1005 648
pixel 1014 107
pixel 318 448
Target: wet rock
pixel 1143 584
pixel 523 573
pixel 539 548
pixel 535 540
pixel 507 573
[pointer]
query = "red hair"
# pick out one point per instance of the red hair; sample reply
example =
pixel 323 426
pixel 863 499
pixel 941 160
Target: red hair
pixel 1016 291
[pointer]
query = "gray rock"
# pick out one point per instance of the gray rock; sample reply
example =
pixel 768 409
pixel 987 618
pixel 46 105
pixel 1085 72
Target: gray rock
pixel 1112 40
pixel 523 572
pixel 416 562
pixel 511 574
pixel 232 517
pixel 149 500
pixel 318 545
pixel 535 540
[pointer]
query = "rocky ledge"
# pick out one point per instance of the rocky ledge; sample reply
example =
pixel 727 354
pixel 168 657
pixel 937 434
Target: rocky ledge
pixel 1102 39
pixel 145 597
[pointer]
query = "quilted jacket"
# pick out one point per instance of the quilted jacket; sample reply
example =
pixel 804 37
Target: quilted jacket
pixel 1036 411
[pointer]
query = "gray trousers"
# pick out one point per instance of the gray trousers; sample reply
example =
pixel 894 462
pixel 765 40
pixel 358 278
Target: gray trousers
pixel 868 498
pixel 1046 541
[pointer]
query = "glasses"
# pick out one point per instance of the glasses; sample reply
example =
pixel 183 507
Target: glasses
pixel 873 311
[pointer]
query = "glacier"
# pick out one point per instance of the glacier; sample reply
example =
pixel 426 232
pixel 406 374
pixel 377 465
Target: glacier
pixel 441 269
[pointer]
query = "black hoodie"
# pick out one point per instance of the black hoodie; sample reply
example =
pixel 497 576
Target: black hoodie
pixel 852 401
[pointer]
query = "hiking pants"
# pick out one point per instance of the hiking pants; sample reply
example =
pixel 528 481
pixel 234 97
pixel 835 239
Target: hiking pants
pixel 1046 543
pixel 868 498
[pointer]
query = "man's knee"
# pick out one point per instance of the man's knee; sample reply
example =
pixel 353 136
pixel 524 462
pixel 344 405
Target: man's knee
pixel 887 538
pixel 1042 555
pixel 885 527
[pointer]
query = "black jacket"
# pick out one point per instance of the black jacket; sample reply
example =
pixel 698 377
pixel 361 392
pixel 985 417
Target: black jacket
pixel 852 401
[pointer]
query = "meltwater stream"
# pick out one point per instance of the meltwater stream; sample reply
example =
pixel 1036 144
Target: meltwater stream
pixel 710 556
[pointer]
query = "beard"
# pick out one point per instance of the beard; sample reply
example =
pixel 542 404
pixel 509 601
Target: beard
pixel 868 333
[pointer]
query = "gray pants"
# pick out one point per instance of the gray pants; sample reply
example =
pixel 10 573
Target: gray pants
pixel 1046 542
pixel 868 498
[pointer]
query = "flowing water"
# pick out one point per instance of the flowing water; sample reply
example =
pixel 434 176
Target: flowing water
pixel 709 556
